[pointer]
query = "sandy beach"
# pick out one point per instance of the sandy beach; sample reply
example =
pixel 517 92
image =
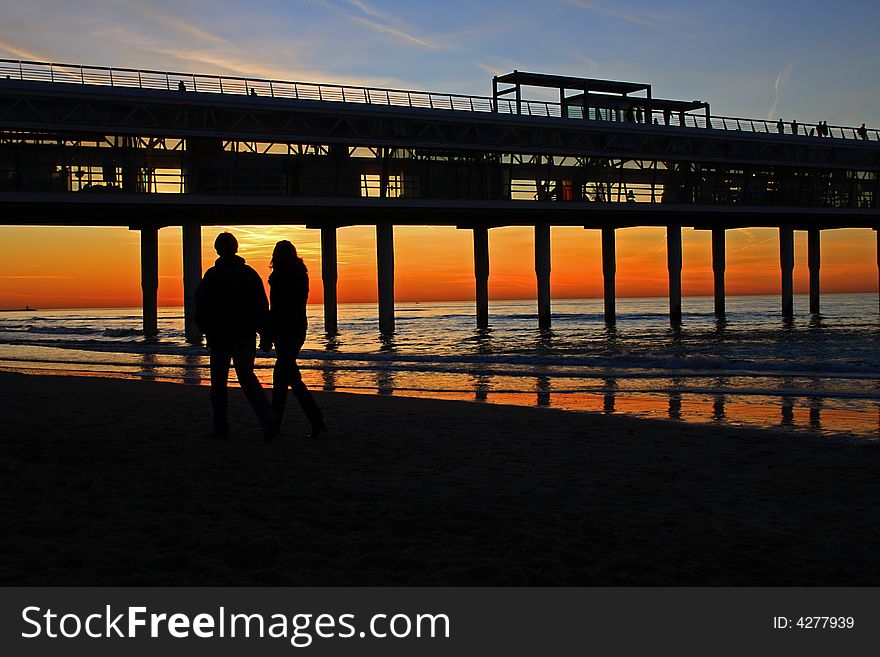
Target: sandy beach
pixel 113 482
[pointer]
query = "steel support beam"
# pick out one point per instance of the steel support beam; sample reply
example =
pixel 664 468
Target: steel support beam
pixel 673 264
pixel 719 263
pixel 192 276
pixel 329 277
pixel 481 275
pixel 814 260
pixel 542 272
pixel 385 266
pixel 609 273
pixel 786 263
pixel 150 279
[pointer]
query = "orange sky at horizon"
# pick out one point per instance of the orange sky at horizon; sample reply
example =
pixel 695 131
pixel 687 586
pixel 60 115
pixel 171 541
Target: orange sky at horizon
pixel 71 267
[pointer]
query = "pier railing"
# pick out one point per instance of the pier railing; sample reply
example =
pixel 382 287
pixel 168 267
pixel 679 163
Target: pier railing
pixel 248 86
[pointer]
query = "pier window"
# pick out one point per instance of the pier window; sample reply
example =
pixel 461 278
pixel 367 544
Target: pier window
pixel 371 185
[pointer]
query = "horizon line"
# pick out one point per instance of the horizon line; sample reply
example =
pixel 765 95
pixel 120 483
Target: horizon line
pixel 375 302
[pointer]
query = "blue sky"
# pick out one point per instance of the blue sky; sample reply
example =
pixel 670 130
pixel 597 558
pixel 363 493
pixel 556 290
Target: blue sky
pixel 799 60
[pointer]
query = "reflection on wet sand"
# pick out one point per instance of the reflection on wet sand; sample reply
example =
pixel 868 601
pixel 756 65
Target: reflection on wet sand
pixel 385 382
pixel 192 369
pixel 675 401
pixel 543 386
pixel 815 422
pixel 662 398
pixel 765 411
pixel 608 401
pixel 332 342
pixel 328 378
pixel 787 409
pixel 482 386
pixel 614 394
pixel 718 414
pixel 149 368
pixel 720 383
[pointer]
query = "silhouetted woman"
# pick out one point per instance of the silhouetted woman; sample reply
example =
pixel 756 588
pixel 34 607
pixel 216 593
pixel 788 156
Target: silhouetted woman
pixel 288 293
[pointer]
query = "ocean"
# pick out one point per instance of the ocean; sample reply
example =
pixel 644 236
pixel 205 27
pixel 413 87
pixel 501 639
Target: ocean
pixel 815 373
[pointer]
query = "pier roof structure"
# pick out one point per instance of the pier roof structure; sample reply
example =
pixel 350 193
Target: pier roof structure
pixel 596 94
pixel 569 82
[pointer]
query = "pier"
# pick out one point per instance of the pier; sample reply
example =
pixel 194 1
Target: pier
pixel 83 145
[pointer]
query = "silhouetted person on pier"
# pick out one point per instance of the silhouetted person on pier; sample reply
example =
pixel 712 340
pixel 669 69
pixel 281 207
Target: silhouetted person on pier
pixel 231 308
pixel 667 116
pixel 863 132
pixel 253 92
pixel 823 128
pixel 780 127
pixel 288 292
pixel 794 127
pixel 181 86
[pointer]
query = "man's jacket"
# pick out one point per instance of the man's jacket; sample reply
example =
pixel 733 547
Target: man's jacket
pixel 231 301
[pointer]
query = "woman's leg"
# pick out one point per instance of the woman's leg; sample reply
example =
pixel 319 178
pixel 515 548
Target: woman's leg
pixel 305 399
pixel 302 394
pixel 243 352
pixel 281 377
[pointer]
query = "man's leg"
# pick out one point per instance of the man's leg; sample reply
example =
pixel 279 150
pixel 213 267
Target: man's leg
pixel 219 359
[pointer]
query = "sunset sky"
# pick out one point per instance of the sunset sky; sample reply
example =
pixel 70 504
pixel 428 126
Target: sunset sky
pixel 99 267
pixel 797 60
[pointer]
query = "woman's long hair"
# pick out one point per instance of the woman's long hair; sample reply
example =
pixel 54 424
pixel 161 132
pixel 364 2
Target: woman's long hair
pixel 285 259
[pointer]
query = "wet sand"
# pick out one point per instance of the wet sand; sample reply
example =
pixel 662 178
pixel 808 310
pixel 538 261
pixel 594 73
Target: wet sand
pixel 113 482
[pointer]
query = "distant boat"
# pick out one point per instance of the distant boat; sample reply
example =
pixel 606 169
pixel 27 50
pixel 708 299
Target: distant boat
pixel 15 310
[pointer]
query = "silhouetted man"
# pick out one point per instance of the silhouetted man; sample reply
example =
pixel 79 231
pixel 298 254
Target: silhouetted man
pixel 863 132
pixel 231 308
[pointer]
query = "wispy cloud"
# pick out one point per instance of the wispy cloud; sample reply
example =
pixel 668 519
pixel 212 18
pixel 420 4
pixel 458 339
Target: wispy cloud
pixel 592 64
pixel 259 241
pixel 781 79
pixel 370 10
pixel 29 278
pixel 22 53
pixel 488 68
pixel 221 59
pixel 176 23
pixel 644 20
pixel 393 31
pixel 378 21
pixel 694 23
pixel 751 241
